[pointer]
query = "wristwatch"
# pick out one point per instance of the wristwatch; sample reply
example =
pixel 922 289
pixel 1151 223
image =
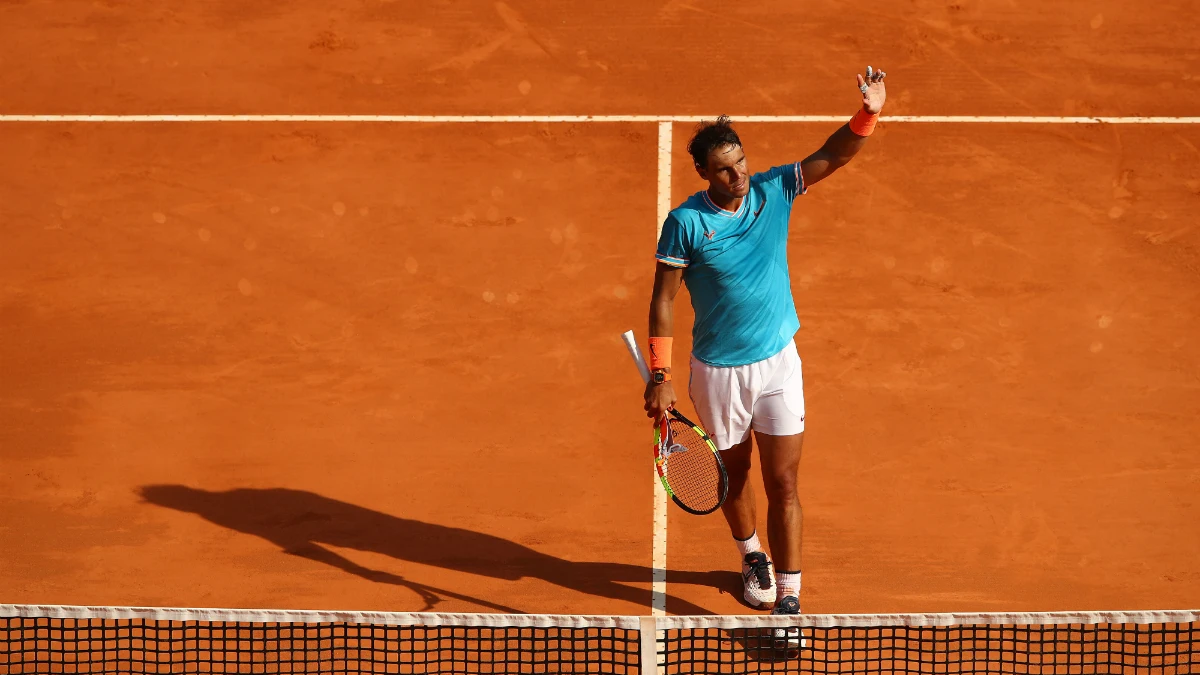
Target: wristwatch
pixel 661 375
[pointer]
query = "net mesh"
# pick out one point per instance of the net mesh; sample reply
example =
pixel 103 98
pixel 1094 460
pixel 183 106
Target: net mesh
pixel 55 639
pixel 1096 648
pixel 140 646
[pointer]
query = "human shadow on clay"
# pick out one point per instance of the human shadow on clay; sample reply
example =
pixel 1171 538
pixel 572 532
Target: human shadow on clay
pixel 304 523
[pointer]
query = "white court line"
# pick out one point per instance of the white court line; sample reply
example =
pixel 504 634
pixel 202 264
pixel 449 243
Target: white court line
pixel 658 551
pixel 547 119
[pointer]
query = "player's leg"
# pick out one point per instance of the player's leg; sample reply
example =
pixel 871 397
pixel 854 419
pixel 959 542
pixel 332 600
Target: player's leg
pixel 722 408
pixel 780 457
pixel 779 431
pixel 758 579
pixel 739 507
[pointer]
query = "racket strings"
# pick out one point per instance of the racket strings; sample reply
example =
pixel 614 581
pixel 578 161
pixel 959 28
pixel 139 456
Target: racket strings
pixel 691 467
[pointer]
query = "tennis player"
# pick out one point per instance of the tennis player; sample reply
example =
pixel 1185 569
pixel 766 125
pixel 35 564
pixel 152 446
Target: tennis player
pixel 728 243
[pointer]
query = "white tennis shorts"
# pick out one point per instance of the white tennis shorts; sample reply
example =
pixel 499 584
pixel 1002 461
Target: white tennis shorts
pixel 767 397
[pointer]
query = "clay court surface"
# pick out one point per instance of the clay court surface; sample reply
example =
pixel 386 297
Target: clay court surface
pixel 378 366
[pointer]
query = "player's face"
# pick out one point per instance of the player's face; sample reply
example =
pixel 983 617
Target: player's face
pixel 726 172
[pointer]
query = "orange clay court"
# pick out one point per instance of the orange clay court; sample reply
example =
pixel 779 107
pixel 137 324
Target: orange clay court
pixel 378 366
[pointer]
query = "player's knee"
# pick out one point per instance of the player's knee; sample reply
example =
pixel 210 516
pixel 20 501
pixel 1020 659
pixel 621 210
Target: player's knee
pixel 780 488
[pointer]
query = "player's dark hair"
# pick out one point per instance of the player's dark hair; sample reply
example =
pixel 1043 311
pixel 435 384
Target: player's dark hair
pixel 709 136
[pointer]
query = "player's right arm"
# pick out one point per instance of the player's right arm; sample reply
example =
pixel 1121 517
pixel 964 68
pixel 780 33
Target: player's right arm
pixel 667 280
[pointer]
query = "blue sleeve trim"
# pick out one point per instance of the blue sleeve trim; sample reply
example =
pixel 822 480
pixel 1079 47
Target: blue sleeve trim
pixel 673 262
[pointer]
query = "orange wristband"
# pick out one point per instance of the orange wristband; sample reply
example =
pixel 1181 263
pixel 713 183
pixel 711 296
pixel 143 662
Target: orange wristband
pixel 863 122
pixel 660 352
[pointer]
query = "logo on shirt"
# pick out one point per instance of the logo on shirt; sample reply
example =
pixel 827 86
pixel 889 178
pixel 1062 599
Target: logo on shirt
pixel 709 234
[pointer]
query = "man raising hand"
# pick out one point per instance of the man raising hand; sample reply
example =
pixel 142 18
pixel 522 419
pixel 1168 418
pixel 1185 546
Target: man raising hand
pixel 728 243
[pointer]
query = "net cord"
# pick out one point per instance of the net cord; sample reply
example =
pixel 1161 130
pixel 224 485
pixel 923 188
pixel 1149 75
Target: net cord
pixel 595 621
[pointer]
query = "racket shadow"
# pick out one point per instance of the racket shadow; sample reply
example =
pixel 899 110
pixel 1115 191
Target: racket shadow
pixel 306 524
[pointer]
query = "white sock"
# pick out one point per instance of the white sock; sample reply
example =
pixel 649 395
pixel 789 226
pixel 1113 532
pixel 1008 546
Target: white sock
pixel 747 546
pixel 788 583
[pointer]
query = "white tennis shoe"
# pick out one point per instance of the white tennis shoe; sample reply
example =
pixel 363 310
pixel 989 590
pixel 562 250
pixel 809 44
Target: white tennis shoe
pixel 759 580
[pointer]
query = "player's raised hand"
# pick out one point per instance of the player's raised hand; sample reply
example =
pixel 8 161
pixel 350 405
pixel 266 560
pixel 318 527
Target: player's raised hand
pixel 873 91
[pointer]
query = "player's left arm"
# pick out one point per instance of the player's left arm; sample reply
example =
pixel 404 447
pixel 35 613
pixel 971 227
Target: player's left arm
pixel 845 143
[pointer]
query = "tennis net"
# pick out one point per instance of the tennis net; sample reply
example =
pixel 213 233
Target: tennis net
pixel 72 639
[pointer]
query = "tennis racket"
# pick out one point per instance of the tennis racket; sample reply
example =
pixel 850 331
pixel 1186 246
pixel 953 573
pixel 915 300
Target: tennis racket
pixel 688 462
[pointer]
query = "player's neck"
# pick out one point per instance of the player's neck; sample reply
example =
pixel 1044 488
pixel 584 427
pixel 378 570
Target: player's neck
pixel 726 202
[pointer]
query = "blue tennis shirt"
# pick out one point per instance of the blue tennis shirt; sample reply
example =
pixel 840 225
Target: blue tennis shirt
pixel 735 268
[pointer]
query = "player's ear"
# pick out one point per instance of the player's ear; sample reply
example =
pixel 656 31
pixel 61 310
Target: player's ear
pixel 700 170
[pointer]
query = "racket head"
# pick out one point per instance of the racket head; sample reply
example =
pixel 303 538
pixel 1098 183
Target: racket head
pixel 689 465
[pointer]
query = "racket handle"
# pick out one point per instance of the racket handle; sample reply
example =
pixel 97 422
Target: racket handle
pixel 636 352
